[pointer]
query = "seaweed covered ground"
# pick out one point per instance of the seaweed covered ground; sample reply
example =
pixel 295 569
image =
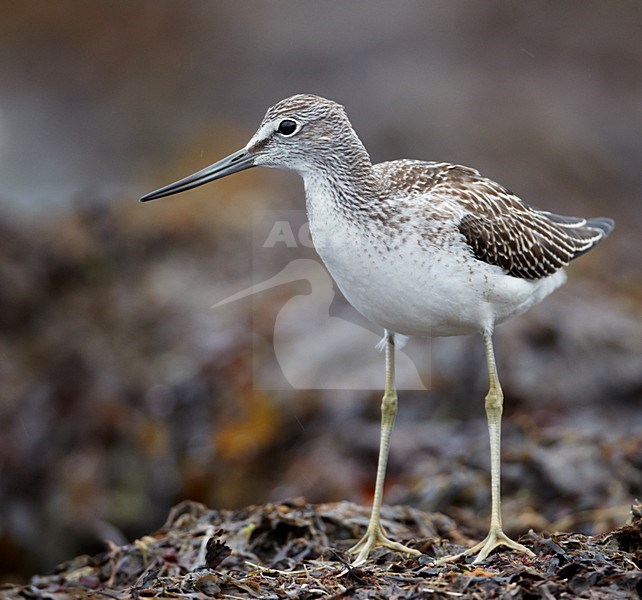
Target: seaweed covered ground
pixel 123 394
pixel 298 550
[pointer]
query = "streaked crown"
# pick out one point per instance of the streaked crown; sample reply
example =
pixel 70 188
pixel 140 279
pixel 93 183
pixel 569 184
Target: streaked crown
pixel 305 132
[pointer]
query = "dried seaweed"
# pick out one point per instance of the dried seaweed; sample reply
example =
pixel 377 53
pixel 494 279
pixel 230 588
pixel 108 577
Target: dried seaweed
pixel 298 550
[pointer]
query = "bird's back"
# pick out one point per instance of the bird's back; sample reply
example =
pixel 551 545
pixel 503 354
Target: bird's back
pixel 497 226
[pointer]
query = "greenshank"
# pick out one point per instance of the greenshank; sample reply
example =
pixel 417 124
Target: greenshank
pixel 419 248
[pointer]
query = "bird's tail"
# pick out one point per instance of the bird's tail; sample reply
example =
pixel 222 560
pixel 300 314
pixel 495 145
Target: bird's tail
pixel 584 233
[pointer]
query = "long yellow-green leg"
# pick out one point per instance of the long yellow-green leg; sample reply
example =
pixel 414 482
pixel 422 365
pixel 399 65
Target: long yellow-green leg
pixel 375 535
pixel 494 406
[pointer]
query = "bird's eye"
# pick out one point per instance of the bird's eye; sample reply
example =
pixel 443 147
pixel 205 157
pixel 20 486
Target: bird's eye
pixel 287 127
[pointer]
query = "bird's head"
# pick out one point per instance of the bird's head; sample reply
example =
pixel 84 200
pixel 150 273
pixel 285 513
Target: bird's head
pixel 301 133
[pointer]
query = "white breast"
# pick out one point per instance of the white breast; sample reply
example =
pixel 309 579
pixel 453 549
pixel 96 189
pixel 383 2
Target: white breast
pixel 411 286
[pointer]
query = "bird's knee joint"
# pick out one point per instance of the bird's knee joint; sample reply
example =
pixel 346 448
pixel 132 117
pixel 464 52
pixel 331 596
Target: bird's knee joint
pixel 389 403
pixel 494 400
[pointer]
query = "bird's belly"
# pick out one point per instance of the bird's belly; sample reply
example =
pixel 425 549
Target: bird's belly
pixel 429 291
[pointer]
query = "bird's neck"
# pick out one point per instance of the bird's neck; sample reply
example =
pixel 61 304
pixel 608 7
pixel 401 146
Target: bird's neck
pixel 344 183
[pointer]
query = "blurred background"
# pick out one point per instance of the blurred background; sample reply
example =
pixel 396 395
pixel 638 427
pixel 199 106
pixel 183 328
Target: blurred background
pixel 122 392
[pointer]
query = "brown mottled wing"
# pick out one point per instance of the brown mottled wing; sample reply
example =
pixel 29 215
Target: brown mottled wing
pixel 519 248
pixel 527 243
pixel 498 227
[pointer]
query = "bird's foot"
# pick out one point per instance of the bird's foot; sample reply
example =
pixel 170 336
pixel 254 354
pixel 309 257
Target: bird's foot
pixel 495 538
pixel 373 538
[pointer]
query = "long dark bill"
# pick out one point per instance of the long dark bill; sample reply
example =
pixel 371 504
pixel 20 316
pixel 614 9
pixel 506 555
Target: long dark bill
pixel 234 163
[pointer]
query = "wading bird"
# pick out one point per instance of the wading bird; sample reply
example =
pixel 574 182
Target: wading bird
pixel 419 248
